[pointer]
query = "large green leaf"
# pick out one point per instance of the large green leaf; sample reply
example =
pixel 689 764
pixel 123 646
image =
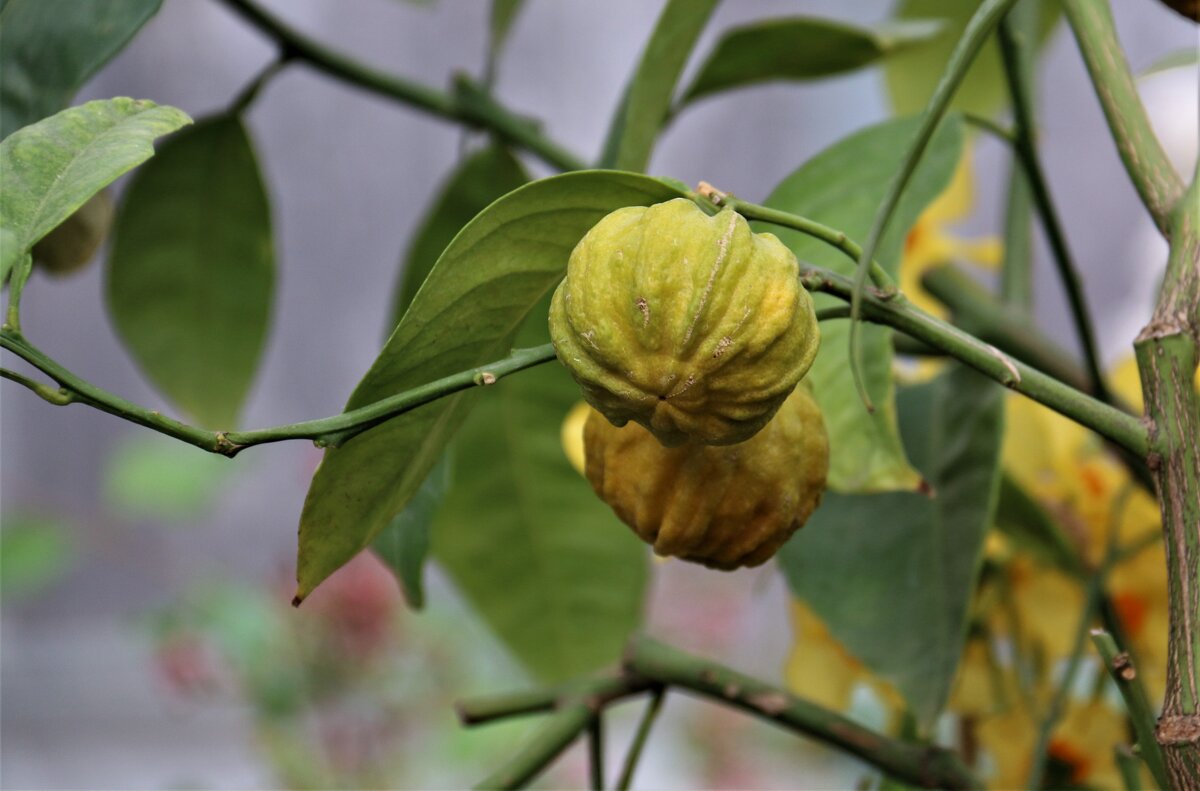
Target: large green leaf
pixel 465 315
pixel 53 167
pixel 478 181
pixel 842 187
pixel 404 544
pixel 799 48
pixel 647 99
pixel 545 562
pixel 892 574
pixel 192 270
pixel 49 49
pixel 913 74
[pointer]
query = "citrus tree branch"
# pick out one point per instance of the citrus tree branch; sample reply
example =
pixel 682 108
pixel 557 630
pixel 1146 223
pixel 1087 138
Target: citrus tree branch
pixel 655 667
pixel 1167 350
pixel 1145 160
pixel 979 28
pixel 1011 45
pixel 468 106
pixel 329 431
pixel 1122 671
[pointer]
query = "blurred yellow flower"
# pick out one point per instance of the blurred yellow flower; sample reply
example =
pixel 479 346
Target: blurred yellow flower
pixel 572 435
pixel 930 243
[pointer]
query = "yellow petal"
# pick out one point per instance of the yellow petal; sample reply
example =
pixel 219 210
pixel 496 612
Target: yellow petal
pixel 818 667
pixel 572 435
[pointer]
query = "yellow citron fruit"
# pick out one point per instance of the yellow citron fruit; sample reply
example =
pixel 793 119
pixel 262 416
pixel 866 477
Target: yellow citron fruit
pixel 724 506
pixel 690 325
pixel 70 246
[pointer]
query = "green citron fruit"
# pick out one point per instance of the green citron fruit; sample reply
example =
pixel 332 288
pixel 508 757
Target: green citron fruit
pixel 690 325
pixel 721 505
pixel 70 246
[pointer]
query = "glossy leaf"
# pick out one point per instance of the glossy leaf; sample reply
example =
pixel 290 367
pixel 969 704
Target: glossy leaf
pixel 465 314
pixel 799 48
pixel 49 49
pixel 647 99
pixel 192 270
pixel 842 187
pixel 53 167
pixel 404 544
pixel 913 74
pixel 892 575
pixel 543 560
pixel 478 181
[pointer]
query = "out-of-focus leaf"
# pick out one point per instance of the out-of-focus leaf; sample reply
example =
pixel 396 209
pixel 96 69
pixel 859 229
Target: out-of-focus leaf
pixel 647 99
pixel 466 314
pixel 53 167
pixel 156 477
pixel 913 74
pixel 545 562
pixel 191 275
pixel 1023 519
pixel 49 49
pixel 504 13
pixel 479 180
pixel 799 48
pixel 842 187
pixel 34 552
pixel 404 543
pixel 892 575
pixel 1174 60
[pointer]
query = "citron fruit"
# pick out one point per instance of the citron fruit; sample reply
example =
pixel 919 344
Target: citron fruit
pixel 690 325
pixel 724 506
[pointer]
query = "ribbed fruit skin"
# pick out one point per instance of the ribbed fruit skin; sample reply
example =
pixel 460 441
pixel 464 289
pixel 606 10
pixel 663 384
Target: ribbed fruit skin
pixel 690 325
pixel 724 506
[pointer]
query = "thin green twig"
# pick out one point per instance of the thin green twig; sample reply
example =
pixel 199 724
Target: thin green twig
pixel 329 431
pixel 474 108
pixel 977 31
pixel 653 707
pixel 1145 161
pixel 1068 272
pixel 830 236
pixel 596 751
pixel 1120 667
pixel 1091 602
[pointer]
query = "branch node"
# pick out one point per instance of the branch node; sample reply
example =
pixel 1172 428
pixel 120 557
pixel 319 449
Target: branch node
pixel 711 193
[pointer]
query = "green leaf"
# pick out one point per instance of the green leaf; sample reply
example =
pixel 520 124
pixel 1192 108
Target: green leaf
pixel 542 559
pixel 799 48
pixel 842 187
pixel 1174 60
pixel 892 575
pixel 49 49
pixel 479 180
pixel 913 74
pixel 155 477
pixel 34 552
pixel 647 99
pixel 404 544
pixel 192 270
pixel 52 168
pixel 465 314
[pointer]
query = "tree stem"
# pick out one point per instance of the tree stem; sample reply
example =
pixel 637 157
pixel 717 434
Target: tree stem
pixel 1120 667
pixel 1145 160
pixel 474 108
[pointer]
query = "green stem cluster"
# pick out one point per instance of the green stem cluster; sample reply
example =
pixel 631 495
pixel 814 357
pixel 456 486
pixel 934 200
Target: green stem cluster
pixel 651 666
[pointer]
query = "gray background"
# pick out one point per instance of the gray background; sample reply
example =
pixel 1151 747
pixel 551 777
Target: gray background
pixel 349 176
